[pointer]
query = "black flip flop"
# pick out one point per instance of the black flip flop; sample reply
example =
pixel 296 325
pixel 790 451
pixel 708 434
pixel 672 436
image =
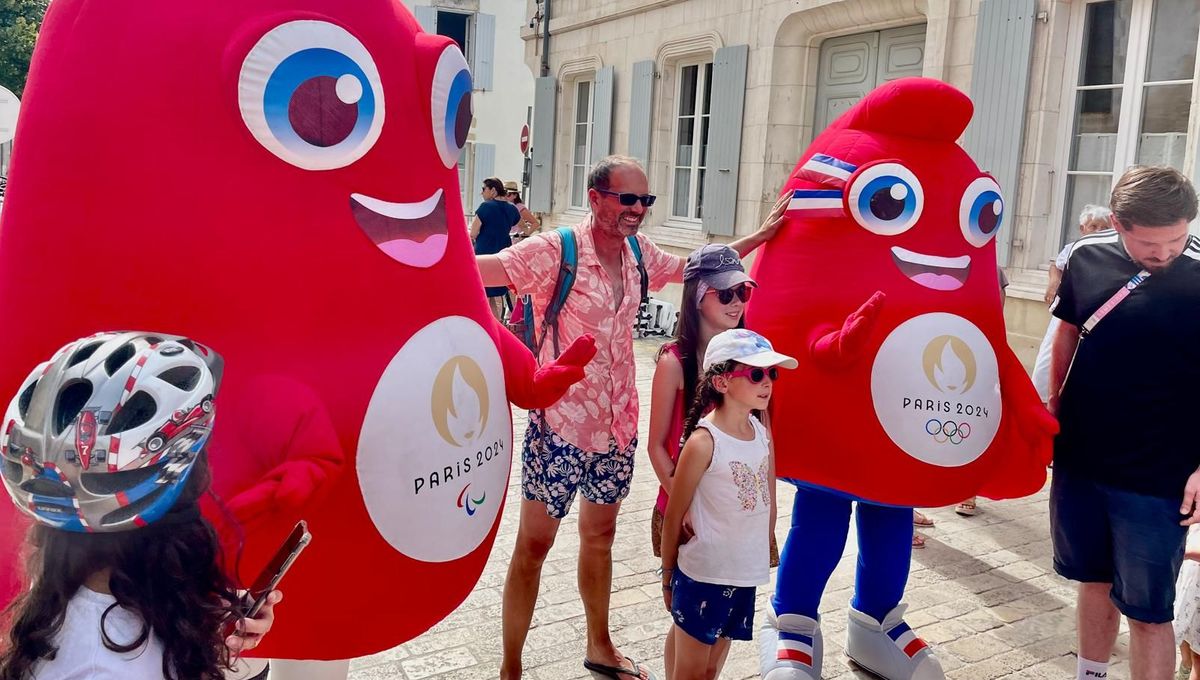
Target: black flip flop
pixel 616 672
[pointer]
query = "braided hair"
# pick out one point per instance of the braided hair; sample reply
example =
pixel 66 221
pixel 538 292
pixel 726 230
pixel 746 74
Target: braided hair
pixel 707 397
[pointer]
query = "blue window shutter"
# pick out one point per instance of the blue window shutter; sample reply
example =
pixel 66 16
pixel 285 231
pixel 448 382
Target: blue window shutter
pixel 1000 91
pixel 485 166
pixel 427 17
pixel 602 112
pixel 641 115
pixel 725 139
pixel 483 53
pixel 541 176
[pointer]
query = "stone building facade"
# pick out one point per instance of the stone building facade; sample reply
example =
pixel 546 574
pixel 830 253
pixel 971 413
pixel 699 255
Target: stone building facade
pixel 720 97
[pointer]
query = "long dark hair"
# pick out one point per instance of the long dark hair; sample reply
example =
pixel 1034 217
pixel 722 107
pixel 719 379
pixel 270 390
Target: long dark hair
pixel 687 339
pixel 167 573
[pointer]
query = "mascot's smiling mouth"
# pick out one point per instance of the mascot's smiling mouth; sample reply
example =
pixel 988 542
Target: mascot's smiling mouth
pixel 414 234
pixel 931 271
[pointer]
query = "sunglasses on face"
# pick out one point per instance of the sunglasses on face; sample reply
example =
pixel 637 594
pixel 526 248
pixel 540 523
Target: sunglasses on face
pixel 629 199
pixel 755 375
pixel 742 292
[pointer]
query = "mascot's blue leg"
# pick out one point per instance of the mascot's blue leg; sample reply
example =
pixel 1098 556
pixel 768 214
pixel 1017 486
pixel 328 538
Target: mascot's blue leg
pixel 790 640
pixel 878 639
pixel 884 554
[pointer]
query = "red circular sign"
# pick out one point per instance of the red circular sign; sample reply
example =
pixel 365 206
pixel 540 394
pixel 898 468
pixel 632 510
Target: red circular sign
pixel 524 138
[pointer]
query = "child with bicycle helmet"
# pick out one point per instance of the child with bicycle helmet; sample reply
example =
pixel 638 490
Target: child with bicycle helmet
pixel 103 447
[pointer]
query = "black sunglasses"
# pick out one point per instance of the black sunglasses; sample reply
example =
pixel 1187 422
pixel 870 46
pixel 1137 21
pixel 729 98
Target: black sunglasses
pixel 756 375
pixel 742 292
pixel 629 199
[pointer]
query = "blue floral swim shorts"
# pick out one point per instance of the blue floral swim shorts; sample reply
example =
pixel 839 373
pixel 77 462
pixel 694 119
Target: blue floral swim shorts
pixel 553 470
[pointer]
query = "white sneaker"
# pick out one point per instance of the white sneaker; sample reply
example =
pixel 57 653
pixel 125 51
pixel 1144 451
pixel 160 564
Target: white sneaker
pixel 890 649
pixel 797 657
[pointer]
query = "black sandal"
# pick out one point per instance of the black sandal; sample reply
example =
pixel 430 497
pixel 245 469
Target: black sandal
pixel 616 672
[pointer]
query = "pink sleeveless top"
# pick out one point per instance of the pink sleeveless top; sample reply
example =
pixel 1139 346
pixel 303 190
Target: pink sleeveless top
pixel 675 432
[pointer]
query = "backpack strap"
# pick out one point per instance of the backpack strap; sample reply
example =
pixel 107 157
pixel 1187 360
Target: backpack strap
pixel 565 280
pixel 641 320
pixel 568 267
pixel 637 254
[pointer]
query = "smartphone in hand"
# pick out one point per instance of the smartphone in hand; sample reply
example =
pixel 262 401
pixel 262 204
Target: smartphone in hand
pixel 268 579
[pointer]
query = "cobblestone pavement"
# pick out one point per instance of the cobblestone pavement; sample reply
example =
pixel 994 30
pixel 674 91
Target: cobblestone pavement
pixel 982 593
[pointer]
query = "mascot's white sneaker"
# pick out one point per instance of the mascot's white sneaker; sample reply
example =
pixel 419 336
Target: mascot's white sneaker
pixel 890 649
pixel 794 655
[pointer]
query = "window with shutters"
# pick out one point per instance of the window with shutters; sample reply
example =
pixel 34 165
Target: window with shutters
pixel 1132 98
pixel 457 27
pixel 581 142
pixel 693 106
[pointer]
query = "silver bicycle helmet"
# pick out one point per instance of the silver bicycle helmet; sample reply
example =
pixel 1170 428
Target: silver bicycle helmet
pixel 104 435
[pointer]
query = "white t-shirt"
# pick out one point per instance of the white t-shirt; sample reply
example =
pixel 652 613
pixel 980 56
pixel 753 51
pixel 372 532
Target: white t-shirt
pixel 1041 365
pixel 731 513
pixel 1063 255
pixel 81 651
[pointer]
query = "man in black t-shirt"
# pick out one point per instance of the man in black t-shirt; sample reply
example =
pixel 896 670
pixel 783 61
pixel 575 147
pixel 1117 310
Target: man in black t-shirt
pixel 494 219
pixel 1125 383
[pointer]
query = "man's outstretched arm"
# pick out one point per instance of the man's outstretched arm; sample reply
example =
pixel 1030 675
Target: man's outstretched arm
pixel 492 271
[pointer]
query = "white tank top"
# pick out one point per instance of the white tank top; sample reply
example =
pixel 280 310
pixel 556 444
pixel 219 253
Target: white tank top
pixel 731 513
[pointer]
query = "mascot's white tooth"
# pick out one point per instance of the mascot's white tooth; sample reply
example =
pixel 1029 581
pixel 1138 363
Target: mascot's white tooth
pixel 399 211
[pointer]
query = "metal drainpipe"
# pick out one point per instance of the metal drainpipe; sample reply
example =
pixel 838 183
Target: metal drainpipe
pixel 545 38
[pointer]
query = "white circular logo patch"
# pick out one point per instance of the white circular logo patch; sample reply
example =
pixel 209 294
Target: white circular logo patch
pixel 936 388
pixel 435 447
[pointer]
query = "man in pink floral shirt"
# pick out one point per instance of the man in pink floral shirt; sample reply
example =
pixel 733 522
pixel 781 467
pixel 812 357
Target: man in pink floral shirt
pixel 586 442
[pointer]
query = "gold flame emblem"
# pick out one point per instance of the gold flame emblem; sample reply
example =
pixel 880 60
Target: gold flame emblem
pixel 460 401
pixel 949 364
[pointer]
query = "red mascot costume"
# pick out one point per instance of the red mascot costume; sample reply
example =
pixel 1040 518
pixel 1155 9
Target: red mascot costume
pixel 884 284
pixel 278 179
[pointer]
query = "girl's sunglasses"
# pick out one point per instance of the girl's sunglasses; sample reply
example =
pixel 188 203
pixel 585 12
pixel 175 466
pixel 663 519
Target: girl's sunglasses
pixel 742 292
pixel 755 375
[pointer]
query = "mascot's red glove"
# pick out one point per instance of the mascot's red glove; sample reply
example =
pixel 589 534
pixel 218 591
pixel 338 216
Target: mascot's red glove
pixel 843 346
pixel 305 455
pixel 1031 430
pixel 531 387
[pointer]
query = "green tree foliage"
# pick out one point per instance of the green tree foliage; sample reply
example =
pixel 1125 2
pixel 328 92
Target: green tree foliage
pixel 19 23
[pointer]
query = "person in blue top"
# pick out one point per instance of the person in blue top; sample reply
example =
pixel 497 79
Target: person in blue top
pixel 494 219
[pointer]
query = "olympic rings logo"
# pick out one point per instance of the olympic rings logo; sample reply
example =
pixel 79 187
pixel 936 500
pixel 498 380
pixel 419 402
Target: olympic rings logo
pixel 949 431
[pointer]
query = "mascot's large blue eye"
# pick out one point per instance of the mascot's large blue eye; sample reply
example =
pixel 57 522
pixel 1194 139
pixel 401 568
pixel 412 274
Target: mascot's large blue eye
pixel 310 93
pixel 981 211
pixel 451 105
pixel 885 199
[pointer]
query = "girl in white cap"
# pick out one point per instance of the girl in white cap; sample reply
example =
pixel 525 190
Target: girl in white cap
pixel 725 481
pixel 716 289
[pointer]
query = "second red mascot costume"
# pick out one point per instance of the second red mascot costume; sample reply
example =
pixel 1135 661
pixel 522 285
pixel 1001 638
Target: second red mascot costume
pixel 884 284
pixel 278 178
